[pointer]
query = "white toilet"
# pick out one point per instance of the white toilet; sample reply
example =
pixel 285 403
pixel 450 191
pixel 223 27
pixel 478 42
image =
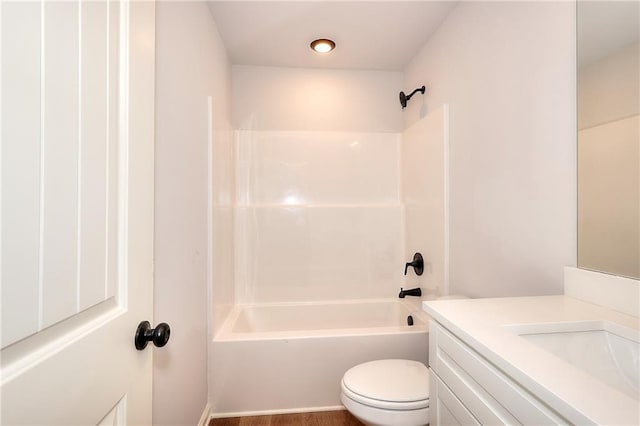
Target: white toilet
pixel 387 392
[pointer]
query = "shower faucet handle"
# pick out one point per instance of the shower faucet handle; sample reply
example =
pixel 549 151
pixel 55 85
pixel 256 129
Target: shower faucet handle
pixel 417 264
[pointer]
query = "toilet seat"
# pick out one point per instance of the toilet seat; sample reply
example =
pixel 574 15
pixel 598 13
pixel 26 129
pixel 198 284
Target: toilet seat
pixel 386 405
pixel 391 384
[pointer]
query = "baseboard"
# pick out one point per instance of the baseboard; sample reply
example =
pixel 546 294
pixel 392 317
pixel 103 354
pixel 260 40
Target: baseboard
pixel 206 415
pixel 273 412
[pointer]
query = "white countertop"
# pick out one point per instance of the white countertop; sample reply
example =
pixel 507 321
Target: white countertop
pixel 576 395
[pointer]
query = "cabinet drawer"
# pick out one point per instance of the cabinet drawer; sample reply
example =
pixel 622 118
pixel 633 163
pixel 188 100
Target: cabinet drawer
pixel 480 402
pixel 489 394
pixel 445 408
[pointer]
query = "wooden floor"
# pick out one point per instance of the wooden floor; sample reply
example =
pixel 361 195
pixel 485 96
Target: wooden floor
pixel 321 418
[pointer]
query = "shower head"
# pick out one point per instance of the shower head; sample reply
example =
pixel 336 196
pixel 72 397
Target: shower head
pixel 405 98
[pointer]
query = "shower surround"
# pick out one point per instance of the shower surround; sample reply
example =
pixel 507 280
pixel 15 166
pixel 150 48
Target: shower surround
pixel 318 216
pixel 319 244
pixel 326 214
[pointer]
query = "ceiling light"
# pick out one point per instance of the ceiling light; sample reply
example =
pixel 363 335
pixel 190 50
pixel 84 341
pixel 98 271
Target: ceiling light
pixel 323 45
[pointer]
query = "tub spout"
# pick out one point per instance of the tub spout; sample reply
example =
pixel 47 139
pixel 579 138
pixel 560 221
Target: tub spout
pixel 411 292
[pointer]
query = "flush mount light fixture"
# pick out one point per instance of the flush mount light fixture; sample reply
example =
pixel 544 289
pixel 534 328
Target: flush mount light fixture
pixel 323 45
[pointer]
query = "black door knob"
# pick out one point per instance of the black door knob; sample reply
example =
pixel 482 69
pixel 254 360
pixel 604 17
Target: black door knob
pixel 145 334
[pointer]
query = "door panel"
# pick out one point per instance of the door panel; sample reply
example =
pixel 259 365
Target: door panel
pixel 59 164
pixel 115 416
pixel 20 163
pixel 69 222
pixel 77 211
pixel 94 182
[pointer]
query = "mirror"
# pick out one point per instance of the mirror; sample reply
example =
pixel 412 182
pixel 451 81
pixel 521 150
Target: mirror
pixel 608 136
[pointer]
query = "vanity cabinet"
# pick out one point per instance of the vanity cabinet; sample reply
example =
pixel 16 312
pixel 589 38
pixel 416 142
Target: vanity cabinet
pixel 467 389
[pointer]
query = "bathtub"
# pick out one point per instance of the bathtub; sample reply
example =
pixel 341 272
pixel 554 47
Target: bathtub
pixel 286 358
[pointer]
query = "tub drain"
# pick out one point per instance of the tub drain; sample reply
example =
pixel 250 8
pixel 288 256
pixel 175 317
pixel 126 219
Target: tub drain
pixel 409 320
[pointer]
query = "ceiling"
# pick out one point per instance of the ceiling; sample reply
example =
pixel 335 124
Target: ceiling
pixel 371 35
pixel 604 27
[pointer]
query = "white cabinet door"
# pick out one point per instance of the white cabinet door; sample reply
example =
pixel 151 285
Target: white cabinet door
pixel 77 111
pixel 446 409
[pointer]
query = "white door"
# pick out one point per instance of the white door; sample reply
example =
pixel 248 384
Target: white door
pixel 77 105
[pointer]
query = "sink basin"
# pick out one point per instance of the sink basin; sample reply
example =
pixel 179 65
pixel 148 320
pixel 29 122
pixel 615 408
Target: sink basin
pixel 608 352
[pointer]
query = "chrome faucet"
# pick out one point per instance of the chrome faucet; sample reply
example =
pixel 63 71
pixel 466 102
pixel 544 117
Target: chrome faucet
pixel 412 292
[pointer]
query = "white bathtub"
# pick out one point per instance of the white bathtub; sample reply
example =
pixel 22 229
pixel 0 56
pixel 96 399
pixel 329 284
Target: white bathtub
pixel 290 357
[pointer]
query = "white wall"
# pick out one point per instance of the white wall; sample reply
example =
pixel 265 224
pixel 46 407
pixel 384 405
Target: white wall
pixel 271 98
pixel 191 65
pixel 507 70
pixel 608 88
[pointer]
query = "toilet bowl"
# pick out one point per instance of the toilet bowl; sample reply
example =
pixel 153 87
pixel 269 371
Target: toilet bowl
pixel 387 392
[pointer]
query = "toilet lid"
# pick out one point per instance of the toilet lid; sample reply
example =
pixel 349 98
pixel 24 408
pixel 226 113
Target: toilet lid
pixel 390 380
